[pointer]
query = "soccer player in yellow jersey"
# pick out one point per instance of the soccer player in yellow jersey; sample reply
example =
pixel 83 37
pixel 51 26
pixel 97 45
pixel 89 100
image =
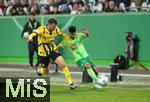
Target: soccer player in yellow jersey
pixel 46 51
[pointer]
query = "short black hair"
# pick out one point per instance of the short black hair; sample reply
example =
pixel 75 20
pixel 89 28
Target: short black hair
pixel 52 20
pixel 72 29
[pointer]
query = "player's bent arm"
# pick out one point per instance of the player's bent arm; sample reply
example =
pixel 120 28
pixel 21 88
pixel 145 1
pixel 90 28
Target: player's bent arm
pixel 57 47
pixel 65 44
pixel 66 39
pixel 85 32
pixel 31 36
pixel 36 32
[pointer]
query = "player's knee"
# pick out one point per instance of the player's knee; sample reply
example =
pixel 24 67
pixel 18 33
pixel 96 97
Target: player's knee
pixel 87 65
pixel 62 65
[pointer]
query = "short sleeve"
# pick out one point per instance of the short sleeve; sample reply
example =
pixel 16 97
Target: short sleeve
pixel 39 30
pixel 80 36
pixel 58 31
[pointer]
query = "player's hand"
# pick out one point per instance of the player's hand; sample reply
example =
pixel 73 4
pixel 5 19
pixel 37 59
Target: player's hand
pixel 73 47
pixel 30 39
pixel 85 32
pixel 57 47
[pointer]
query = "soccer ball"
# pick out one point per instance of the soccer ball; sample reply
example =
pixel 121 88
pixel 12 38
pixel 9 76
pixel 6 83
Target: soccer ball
pixel 102 80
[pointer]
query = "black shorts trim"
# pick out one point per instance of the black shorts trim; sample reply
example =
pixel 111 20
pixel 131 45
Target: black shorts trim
pixel 44 61
pixel 53 55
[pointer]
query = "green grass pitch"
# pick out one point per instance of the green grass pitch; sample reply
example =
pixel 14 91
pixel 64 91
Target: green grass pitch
pixel 106 94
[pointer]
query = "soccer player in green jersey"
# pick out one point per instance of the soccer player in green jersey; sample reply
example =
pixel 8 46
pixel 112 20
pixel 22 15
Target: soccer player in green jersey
pixel 83 60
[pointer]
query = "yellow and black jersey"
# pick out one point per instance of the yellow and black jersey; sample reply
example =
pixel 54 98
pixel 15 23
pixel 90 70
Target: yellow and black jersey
pixel 46 39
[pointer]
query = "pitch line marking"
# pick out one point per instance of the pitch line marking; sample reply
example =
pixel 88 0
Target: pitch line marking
pixel 68 23
pixel 78 73
pixel 42 20
pixel 17 23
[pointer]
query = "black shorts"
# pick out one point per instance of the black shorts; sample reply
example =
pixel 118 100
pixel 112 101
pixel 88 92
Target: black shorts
pixel 44 61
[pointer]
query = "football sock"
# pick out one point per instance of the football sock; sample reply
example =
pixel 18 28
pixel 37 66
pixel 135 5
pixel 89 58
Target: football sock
pixel 67 75
pixel 42 70
pixel 92 74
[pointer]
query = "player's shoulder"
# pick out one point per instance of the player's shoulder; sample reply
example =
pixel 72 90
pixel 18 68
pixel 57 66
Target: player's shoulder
pixel 79 34
pixel 57 28
pixel 42 27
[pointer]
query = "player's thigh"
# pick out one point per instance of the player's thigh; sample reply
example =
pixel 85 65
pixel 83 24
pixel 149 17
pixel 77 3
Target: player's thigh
pixel 81 64
pixel 44 61
pixel 90 61
pixel 58 59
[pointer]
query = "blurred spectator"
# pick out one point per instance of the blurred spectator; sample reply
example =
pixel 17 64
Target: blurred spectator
pixel 7 2
pixel 117 2
pixel 19 7
pixel 109 6
pixel 9 7
pixel 112 6
pixel 76 9
pixel 25 4
pixel 2 7
pixel 122 7
pixel 138 3
pixel 133 6
pixel 87 9
pixel 61 9
pixel 106 6
pixel 55 10
pixel 21 11
pixel 34 7
pixel 148 4
pixel 144 6
pixel 23 7
pixel 127 3
pixel 44 6
pixel 100 6
pixel 70 4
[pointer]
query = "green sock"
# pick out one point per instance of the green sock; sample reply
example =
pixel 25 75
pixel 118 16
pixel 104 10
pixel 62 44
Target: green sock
pixel 92 74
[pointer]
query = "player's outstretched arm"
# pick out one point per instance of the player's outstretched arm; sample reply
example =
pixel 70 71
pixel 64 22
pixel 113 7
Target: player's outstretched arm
pixel 31 36
pixel 85 32
pixel 66 39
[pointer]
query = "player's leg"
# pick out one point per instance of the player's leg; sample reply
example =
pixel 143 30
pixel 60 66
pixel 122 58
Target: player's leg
pixel 36 50
pixel 43 68
pixel 82 63
pixel 31 53
pixel 93 65
pixel 92 74
pixel 60 61
pixel 90 71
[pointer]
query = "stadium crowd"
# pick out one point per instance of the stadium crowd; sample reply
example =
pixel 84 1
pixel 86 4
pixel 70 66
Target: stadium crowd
pixel 24 7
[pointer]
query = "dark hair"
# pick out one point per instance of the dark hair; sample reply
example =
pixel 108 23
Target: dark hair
pixel 72 29
pixel 52 20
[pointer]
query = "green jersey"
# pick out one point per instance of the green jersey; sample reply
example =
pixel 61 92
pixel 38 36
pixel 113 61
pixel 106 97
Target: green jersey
pixel 80 52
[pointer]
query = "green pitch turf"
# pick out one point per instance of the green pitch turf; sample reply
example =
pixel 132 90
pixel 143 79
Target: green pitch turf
pixel 88 94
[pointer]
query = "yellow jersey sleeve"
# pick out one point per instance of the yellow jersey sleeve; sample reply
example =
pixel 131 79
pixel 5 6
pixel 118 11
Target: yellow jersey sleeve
pixel 39 30
pixel 58 30
pixel 36 32
pixel 64 36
